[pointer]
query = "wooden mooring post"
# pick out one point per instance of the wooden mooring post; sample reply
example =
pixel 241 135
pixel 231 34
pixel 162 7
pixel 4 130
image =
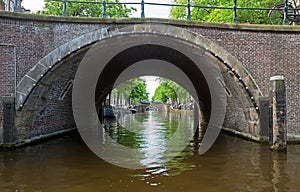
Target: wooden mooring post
pixel 278 127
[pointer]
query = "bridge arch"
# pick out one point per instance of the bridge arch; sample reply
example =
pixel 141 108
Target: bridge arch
pixel 51 60
pixel 237 80
pixel 151 108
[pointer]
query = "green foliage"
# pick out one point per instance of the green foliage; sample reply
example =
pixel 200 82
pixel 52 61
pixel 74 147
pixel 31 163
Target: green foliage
pixel 132 90
pixel 225 15
pixel 170 90
pixel 254 16
pixel 163 92
pixel 139 91
pixel 85 9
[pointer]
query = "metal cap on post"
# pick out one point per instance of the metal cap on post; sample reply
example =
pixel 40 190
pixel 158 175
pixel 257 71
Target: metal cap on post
pixel 278 128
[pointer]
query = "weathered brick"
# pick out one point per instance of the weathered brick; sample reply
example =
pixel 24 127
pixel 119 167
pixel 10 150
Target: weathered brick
pixel 264 53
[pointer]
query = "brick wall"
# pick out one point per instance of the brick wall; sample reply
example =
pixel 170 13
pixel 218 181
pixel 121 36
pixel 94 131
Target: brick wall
pixel 7 71
pixel 33 40
pixel 44 112
pixel 265 54
pixel 263 51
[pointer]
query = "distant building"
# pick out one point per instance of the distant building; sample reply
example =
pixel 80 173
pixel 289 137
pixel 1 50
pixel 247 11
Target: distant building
pixel 8 5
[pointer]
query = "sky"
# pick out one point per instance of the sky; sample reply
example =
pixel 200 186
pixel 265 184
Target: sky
pixel 150 11
pixel 33 5
pixel 152 84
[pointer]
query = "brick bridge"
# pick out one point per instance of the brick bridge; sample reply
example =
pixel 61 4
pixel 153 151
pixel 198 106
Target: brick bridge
pixel 39 56
pixel 155 107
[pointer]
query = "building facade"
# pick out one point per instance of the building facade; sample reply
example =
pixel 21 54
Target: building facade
pixel 8 5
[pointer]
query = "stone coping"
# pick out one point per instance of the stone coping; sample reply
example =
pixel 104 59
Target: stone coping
pixel 183 23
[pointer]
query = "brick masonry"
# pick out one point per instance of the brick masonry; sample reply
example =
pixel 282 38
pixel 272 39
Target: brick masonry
pixel 44 111
pixel 6 73
pixel 263 50
pixel 265 54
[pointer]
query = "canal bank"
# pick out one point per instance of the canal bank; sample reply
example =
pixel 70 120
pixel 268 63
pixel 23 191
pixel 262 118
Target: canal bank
pixel 38 139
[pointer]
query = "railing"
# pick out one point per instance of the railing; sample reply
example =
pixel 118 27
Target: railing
pixel 188 7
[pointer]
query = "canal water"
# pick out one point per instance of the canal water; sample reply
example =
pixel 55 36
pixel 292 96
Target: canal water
pixel 232 164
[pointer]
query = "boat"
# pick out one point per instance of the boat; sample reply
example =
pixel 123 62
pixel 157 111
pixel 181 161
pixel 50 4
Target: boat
pixel 108 111
pixel 132 110
pixel 174 110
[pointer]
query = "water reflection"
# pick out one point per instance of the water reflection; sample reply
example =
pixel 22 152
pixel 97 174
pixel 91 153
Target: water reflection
pixel 150 132
pixel 232 164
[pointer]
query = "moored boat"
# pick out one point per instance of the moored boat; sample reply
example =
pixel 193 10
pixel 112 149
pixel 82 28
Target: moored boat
pixel 132 110
pixel 108 111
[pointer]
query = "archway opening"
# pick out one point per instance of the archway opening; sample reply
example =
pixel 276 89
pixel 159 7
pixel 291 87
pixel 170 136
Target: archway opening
pixel 134 117
pixel 147 94
pixel 150 59
pixel 124 57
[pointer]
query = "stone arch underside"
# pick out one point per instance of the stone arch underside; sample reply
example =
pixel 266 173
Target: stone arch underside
pixel 59 67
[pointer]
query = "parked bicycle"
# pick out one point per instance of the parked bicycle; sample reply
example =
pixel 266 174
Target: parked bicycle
pixel 276 14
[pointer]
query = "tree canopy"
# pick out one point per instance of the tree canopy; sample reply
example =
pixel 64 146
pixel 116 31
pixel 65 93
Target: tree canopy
pixel 225 15
pixel 139 91
pixel 84 8
pixel 133 91
pixel 170 90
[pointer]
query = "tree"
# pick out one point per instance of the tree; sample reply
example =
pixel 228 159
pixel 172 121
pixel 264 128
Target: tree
pixel 170 90
pixel 132 90
pixel 225 15
pixel 162 93
pixel 84 8
pixel 139 91
pixel 120 94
